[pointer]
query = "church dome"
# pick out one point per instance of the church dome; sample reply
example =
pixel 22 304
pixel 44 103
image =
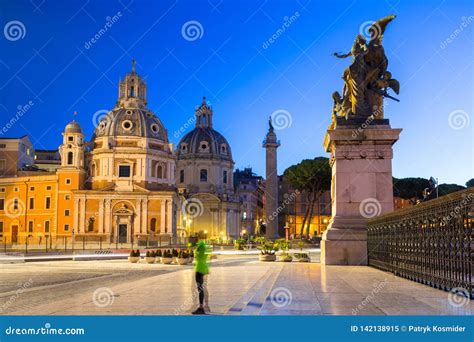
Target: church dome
pixel 131 116
pixel 73 127
pixel 203 141
pixel 136 122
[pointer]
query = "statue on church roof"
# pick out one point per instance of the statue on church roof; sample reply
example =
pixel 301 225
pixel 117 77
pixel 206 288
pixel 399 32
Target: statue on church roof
pixel 366 80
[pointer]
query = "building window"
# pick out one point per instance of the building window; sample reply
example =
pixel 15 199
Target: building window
pixel 46 226
pixel 203 175
pixel 70 138
pixel 48 188
pixel 48 203
pixel 30 226
pixel 244 215
pixel 68 181
pixel 32 203
pixel 90 225
pixel 159 171
pixel 15 204
pixel 3 164
pixel 1 227
pixel 2 189
pixel 32 188
pixel 3 145
pixel 66 227
pixel 224 176
pixel 67 197
pixel 124 171
pixel 66 212
pixel 181 176
pixel 70 158
pixel 15 189
pixel 2 204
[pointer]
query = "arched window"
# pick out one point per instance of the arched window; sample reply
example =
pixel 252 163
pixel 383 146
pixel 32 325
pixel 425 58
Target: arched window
pixel 224 177
pixel 159 171
pixel 153 225
pixel 93 170
pixel 70 158
pixel 181 176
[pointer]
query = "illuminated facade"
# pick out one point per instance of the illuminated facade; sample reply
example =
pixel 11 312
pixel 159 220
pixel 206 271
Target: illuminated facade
pixel 119 188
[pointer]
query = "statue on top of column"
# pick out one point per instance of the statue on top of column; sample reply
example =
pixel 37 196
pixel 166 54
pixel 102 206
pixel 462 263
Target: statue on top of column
pixel 366 80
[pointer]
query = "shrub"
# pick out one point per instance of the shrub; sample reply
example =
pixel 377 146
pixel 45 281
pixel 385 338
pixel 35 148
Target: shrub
pixel 174 253
pixel 158 253
pixel 268 247
pixel 135 253
pixel 148 254
pixel 239 244
pixel 167 254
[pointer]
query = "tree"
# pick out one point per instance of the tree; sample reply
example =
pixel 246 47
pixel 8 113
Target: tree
pixel 311 177
pixel 410 188
pixel 470 183
pixel 445 189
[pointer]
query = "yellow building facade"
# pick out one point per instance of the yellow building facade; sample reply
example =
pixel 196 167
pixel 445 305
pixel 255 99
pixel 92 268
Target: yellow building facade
pixel 118 188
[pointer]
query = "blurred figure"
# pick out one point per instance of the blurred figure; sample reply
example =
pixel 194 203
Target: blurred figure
pixel 202 269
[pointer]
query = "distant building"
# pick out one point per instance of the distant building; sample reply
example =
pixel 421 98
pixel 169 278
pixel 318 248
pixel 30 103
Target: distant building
pixel 401 203
pixel 15 154
pixel 293 205
pixel 48 160
pixel 250 189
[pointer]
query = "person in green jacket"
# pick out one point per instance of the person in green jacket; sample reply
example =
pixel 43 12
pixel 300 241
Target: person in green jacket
pixel 202 269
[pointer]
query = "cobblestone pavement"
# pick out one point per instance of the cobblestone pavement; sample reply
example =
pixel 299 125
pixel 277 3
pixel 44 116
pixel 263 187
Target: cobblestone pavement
pixel 237 285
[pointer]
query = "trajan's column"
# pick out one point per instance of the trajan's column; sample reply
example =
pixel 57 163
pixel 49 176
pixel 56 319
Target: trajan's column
pixel 360 141
pixel 271 184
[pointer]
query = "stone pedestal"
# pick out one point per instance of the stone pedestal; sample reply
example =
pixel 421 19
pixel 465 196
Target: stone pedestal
pixel 361 187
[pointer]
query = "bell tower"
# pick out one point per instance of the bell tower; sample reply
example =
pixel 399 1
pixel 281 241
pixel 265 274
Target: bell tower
pixel 72 148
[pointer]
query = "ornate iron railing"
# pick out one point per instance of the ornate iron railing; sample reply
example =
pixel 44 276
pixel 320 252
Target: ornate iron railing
pixel 431 243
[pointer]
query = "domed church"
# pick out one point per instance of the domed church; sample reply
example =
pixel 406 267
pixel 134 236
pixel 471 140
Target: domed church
pixel 205 179
pixel 129 193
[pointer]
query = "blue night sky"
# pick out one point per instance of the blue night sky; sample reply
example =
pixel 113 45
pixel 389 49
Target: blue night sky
pixel 244 82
